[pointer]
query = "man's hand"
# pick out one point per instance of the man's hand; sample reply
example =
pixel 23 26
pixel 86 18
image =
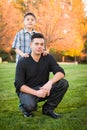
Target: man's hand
pixel 41 93
pixel 47 87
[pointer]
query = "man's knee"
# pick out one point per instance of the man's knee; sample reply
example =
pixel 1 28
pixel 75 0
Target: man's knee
pixel 31 106
pixel 62 84
pixel 66 84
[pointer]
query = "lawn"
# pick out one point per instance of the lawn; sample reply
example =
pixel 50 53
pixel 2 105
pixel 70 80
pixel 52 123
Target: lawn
pixel 73 106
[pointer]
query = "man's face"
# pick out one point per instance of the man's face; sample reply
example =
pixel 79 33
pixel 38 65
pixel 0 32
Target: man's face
pixel 37 46
pixel 29 21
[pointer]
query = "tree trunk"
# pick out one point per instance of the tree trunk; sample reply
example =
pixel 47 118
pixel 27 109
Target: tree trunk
pixel 63 58
pixel 75 58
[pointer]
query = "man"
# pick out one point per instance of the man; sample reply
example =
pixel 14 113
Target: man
pixel 32 80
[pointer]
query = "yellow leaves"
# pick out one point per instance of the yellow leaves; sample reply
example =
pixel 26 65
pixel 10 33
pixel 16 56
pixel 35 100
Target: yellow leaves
pixel 76 49
pixel 73 52
pixel 12 18
pixel 61 22
pixel 85 27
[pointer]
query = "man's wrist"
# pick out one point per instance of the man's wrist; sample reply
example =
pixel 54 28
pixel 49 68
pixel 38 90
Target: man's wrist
pixel 50 81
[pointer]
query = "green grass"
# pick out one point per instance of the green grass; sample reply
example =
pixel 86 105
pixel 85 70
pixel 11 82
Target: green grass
pixel 73 106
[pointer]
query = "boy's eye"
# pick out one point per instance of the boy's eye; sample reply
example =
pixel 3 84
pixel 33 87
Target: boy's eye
pixel 30 19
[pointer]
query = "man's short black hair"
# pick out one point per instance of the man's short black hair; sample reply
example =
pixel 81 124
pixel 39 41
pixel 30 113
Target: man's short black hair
pixel 29 13
pixel 37 35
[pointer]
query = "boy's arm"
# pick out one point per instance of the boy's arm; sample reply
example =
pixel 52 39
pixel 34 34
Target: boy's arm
pixel 18 51
pixel 45 52
pixel 16 45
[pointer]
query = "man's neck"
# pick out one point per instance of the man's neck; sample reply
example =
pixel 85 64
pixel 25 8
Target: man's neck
pixel 35 57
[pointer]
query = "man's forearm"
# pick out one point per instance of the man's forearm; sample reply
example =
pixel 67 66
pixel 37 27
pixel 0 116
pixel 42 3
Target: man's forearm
pixel 27 90
pixel 57 77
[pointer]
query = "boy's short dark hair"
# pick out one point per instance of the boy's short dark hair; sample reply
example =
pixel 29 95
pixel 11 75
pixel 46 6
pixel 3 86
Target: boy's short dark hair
pixel 37 35
pixel 29 13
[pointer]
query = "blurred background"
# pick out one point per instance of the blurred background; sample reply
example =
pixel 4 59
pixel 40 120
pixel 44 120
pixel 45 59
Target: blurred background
pixel 63 23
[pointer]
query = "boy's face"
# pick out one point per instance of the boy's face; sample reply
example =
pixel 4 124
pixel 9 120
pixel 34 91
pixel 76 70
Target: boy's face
pixel 29 22
pixel 37 46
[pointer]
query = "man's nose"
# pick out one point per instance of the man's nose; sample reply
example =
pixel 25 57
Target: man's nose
pixel 39 46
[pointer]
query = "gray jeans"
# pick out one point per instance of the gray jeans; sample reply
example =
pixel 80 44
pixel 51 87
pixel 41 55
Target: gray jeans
pixel 29 102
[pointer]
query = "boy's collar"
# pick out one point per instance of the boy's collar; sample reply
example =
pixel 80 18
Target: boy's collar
pixel 25 31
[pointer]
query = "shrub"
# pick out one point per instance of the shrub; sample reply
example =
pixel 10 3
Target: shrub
pixel 55 54
pixel 4 55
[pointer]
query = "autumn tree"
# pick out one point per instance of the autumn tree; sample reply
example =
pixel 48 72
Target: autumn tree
pixel 13 21
pixel 2 25
pixel 21 5
pixel 75 42
pixel 61 23
pixel 85 35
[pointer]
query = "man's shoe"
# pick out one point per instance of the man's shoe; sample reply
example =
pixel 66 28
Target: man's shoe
pixel 52 114
pixel 28 115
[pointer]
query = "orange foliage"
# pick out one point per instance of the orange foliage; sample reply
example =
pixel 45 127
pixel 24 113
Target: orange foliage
pixel 61 22
pixel 13 18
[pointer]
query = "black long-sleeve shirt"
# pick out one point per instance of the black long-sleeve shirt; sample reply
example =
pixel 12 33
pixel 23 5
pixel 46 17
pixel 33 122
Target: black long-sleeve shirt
pixel 32 73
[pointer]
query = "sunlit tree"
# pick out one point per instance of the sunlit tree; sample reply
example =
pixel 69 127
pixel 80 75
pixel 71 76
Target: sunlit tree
pixel 13 21
pixel 61 22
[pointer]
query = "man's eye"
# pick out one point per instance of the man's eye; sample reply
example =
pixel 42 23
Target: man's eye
pixel 36 43
pixel 28 19
pixel 41 44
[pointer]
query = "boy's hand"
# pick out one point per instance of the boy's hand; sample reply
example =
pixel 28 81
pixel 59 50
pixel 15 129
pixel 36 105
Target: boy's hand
pixel 25 55
pixel 45 53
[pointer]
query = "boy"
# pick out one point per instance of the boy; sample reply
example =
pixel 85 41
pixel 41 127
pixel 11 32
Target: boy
pixel 22 39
